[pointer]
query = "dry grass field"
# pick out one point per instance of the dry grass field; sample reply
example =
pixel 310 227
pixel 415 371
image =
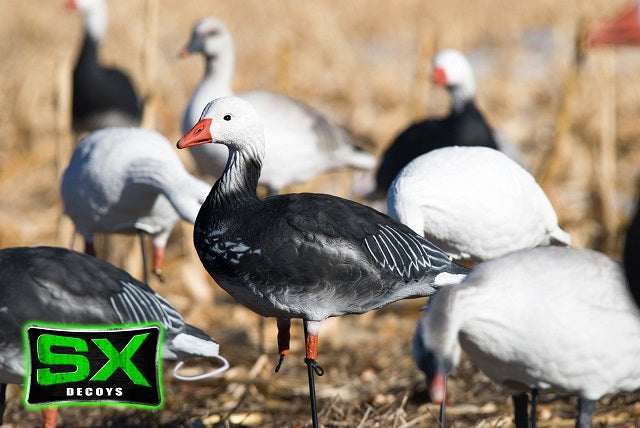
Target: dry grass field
pixel 366 64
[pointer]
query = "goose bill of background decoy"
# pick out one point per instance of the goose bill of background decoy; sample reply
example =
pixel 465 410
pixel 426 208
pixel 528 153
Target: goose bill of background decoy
pixel 309 256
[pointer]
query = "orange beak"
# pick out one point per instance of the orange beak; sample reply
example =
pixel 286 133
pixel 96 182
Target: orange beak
pixel 199 134
pixel 71 5
pixel 439 77
pixel 184 52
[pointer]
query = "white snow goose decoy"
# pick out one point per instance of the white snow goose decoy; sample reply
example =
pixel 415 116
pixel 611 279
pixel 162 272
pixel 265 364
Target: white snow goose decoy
pixel 475 203
pixel 300 143
pixel 56 285
pixel 126 180
pixel 542 318
pixel 101 96
pixel 309 256
pixel 464 126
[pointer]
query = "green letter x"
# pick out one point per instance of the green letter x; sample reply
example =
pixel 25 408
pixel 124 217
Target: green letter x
pixel 121 359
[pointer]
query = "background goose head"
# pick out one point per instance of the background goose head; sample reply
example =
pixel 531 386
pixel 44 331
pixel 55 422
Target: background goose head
pixel 452 70
pixel 94 15
pixel 210 37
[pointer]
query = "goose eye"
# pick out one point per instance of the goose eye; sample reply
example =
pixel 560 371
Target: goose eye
pixel 210 33
pixel 227 117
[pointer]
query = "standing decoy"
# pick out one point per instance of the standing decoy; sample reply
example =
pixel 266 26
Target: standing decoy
pixel 56 285
pixel 464 126
pixel 309 256
pixel 127 180
pixel 102 96
pixel 473 202
pixel 300 142
pixel 542 318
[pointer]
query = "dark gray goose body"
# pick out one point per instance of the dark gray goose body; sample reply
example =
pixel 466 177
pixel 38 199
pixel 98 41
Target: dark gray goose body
pixel 463 127
pixel 308 256
pixel 102 96
pixel 57 285
pixel 314 256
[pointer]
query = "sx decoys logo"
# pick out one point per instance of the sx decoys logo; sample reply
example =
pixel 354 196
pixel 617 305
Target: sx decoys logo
pixel 93 365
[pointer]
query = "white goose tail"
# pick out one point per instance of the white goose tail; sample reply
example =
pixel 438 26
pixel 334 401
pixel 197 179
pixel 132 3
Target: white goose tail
pixel 560 237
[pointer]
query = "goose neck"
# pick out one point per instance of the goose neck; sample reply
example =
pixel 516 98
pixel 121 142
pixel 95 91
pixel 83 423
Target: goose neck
pixel 89 51
pixel 460 98
pixel 239 180
pixel 219 68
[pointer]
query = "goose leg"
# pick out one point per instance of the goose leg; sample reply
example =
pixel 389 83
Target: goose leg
pixel 284 336
pixel 145 276
pixel 3 398
pixel 49 416
pixel 585 412
pixel 261 338
pixel 521 416
pixel 311 330
pixel 158 261
pixel 272 192
pixel 90 249
pixel 534 407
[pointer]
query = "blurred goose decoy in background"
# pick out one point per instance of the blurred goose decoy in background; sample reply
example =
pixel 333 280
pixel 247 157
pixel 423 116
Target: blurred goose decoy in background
pixel 309 256
pixel 544 318
pixel 56 285
pixel 632 256
pixel 473 202
pixel 300 142
pixel 464 126
pixel 101 96
pixel 126 180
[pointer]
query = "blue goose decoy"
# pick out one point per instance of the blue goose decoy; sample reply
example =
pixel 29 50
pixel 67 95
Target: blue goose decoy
pixel 465 125
pixel 309 256
pixel 56 285
pixel 543 318
pixel 102 96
